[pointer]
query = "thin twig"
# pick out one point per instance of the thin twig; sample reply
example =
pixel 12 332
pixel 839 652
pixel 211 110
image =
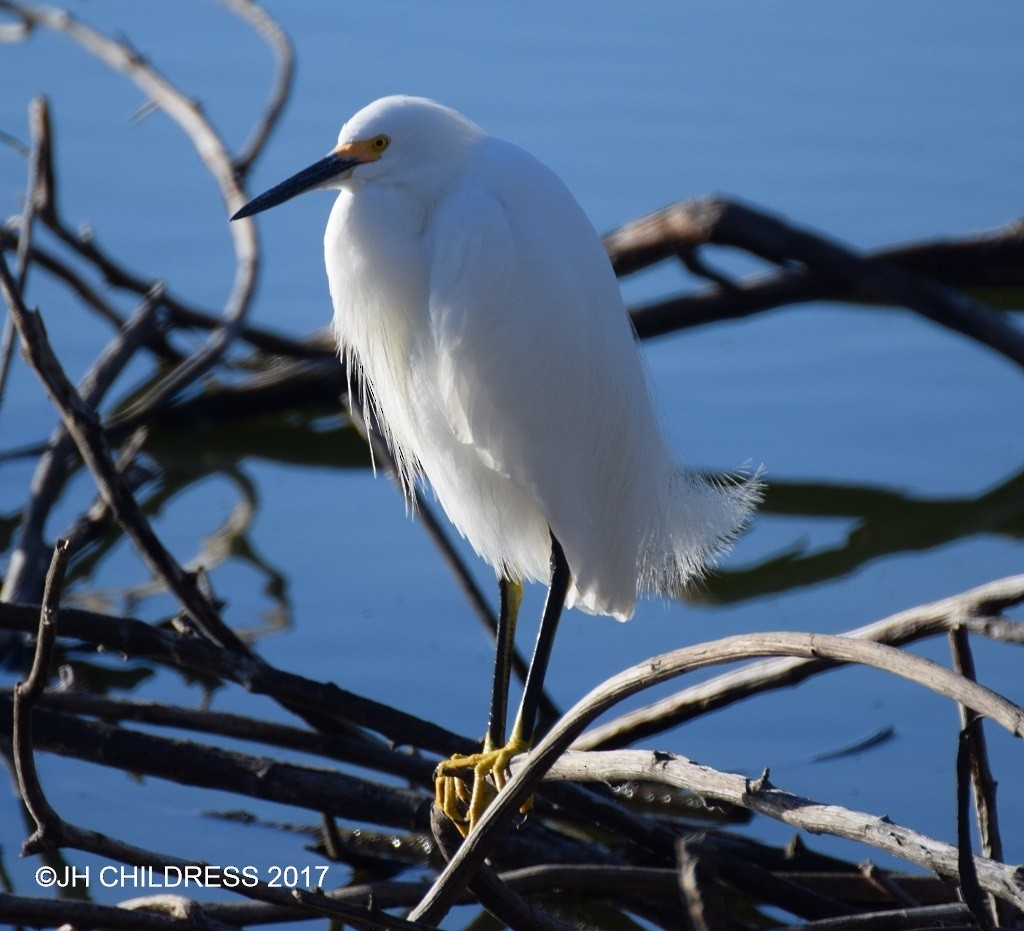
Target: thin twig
pixel 211 149
pixel 27 693
pixel 276 38
pixel 83 426
pixel 36 192
pixel 23 576
pixel 489 890
pixel 979 772
pixel 982 778
pixel 63 272
pixel 967 873
pixel 90 525
pixel 953 916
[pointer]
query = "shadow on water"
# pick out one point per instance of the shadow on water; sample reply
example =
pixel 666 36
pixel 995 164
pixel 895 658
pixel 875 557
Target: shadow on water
pixel 882 523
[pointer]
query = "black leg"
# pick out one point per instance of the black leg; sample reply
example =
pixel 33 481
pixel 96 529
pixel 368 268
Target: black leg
pixel 526 720
pixel 511 598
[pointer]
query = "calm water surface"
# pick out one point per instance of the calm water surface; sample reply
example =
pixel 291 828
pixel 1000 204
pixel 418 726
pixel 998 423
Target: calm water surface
pixel 893 448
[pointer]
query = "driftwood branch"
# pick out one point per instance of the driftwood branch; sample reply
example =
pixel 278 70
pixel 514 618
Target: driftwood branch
pixel 281 47
pixel 211 149
pixel 22 579
pixel 40 184
pixel 761 796
pixel 828 267
pixel 976 610
pixel 667 666
pixel 83 426
pixel 52 831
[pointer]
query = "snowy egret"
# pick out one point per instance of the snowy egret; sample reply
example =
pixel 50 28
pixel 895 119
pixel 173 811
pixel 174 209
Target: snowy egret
pixel 475 305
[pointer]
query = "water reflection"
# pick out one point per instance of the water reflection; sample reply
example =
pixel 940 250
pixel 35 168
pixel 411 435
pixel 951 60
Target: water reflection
pixel 882 523
pixel 876 522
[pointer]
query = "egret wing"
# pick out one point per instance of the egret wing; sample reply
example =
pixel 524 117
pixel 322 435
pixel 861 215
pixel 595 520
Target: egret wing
pixel 530 329
pixel 537 368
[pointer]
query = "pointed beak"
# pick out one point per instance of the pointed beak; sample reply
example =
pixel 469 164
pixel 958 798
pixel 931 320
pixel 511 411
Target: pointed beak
pixel 309 178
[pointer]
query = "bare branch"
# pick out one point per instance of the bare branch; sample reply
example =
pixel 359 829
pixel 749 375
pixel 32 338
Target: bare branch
pixel 37 193
pixel 260 20
pixel 358 752
pixel 133 638
pixel 970 889
pixel 82 424
pixel 973 765
pixel 666 666
pixel 23 575
pixel 829 264
pixel 495 895
pixel 953 916
pixel 697 886
pixel 761 796
pixel 27 693
pixel 211 149
pixel 973 609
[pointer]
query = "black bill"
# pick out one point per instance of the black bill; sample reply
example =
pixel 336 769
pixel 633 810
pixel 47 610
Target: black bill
pixel 316 174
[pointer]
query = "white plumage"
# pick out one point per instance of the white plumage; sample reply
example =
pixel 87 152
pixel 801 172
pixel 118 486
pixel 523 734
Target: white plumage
pixel 475 298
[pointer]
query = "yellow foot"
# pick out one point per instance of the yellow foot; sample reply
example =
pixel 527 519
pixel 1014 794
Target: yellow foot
pixel 462 806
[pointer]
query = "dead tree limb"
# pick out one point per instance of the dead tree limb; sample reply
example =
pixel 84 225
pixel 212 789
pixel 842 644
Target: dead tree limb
pixel 975 610
pixel 132 638
pixel 666 666
pixel 281 47
pixel 83 426
pixel 40 181
pixel 27 693
pixel 978 771
pixel 762 797
pixel 828 266
pixel 211 149
pixel 369 755
pixel 24 571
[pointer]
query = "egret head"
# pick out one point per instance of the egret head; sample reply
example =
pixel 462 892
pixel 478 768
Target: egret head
pixel 409 141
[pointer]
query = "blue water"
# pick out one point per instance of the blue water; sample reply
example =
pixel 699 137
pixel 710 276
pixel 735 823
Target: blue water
pixel 874 122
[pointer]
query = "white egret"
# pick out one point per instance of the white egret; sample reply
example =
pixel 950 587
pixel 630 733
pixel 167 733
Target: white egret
pixel 477 308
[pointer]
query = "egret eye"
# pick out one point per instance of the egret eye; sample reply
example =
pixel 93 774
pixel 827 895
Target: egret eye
pixel 379 143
